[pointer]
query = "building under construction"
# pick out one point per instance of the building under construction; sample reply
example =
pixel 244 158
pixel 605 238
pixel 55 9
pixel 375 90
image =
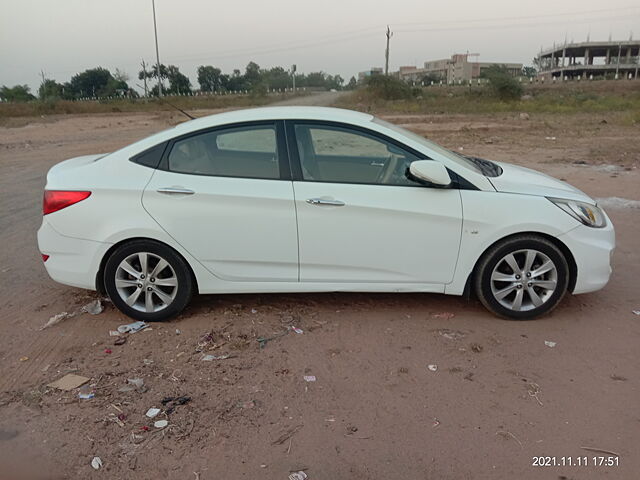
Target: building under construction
pixel 590 60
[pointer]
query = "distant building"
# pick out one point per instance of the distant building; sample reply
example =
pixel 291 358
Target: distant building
pixel 453 70
pixel 362 76
pixel 585 59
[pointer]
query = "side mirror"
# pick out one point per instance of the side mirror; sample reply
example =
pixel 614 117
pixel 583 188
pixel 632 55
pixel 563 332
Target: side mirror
pixel 431 172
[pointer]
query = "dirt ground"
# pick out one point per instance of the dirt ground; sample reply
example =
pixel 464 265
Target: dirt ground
pixel 499 396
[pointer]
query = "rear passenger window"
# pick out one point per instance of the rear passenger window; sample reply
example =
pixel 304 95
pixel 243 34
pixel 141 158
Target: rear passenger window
pixel 249 152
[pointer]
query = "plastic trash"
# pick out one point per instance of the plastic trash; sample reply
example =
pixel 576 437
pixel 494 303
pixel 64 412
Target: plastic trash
pixel 93 308
pixel 161 423
pixel 85 393
pixel 136 382
pixel 636 312
pixel 297 330
pixel 298 475
pixel 132 327
pixel 309 378
pixel 96 463
pixel 550 344
pixel 152 412
pixel 56 319
pixel 432 367
pixel 209 358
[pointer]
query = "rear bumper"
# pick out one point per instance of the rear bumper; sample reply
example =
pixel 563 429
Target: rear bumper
pixel 592 249
pixel 72 261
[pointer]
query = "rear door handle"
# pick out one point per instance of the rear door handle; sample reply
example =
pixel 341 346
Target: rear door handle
pixel 325 201
pixel 175 191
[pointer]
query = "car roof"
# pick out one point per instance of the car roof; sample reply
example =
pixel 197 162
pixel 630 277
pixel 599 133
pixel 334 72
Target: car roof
pixel 276 113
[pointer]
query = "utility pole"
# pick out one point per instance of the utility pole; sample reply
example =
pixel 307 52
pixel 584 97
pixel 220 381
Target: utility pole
pixel 293 75
pixel 386 52
pixel 144 76
pixel 155 31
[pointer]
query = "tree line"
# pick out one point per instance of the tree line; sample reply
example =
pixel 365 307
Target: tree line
pixel 99 82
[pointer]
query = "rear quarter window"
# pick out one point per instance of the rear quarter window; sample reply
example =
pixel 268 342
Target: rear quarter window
pixel 150 157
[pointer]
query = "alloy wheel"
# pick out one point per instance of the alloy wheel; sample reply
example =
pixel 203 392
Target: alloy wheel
pixel 524 280
pixel 146 282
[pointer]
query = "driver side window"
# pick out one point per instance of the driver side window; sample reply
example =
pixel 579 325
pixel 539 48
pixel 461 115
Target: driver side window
pixel 342 155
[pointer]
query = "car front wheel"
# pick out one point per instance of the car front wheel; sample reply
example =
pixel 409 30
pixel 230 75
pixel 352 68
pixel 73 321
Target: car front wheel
pixel 148 281
pixel 522 277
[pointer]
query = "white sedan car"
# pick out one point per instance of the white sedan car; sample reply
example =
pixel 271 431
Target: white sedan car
pixel 306 199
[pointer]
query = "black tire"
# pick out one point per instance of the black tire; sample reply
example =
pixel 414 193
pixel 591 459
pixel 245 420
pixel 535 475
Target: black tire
pixel 177 271
pixel 496 257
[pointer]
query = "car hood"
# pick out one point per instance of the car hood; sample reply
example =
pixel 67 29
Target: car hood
pixel 516 179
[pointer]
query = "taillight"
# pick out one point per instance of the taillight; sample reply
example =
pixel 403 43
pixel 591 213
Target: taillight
pixel 55 200
pixel 44 257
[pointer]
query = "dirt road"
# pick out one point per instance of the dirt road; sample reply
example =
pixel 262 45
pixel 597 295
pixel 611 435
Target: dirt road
pixel 499 396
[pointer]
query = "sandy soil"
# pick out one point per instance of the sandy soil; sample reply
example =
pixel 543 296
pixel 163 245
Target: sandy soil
pixel 499 396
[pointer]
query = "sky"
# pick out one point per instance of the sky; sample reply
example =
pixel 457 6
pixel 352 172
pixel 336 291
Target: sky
pixel 64 37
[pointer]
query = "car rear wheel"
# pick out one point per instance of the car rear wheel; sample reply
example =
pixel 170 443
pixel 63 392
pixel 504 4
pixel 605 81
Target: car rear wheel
pixel 148 281
pixel 522 277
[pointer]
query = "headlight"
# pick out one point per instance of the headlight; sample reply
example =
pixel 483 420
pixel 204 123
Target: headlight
pixel 588 214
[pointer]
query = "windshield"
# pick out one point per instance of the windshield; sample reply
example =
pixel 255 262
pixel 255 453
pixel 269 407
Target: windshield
pixel 459 159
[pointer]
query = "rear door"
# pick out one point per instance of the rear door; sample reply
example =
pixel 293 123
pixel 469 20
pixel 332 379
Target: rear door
pixel 226 196
pixel 360 220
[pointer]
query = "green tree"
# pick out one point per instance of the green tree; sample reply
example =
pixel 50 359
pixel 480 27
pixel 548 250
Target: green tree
pixel 17 93
pixel 91 83
pixel 211 79
pixel 50 89
pixel 179 84
pixel 353 83
pixel 502 84
pixel 252 74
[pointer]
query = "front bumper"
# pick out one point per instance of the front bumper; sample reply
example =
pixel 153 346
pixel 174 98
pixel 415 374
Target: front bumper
pixel 72 261
pixel 592 250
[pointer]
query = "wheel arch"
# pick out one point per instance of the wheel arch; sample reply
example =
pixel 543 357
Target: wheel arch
pixel 571 262
pixel 100 274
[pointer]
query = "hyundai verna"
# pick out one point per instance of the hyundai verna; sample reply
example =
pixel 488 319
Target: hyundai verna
pixel 307 199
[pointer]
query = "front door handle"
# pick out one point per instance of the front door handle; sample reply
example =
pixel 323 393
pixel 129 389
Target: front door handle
pixel 325 201
pixel 175 191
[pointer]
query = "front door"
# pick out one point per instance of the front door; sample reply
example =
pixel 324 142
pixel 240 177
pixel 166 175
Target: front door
pixel 360 220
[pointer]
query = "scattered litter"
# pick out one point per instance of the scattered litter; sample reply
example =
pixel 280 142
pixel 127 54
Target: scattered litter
pixel 599 450
pixel 172 402
pixel 93 308
pixel 24 359
pixel 144 428
pixel 298 475
pixel 263 340
pixel 209 358
pixel 96 463
pixel 69 382
pixel 436 422
pixel 152 412
pixel 444 315
pixel 178 332
pixel 114 333
pixel 476 348
pixel 287 435
pixel 253 310
pixel 132 327
pixel 120 341
pixel 161 423
pixel 86 393
pixel 309 378
pixel 297 330
pixel 451 334
pixel 248 404
pixel 534 390
pixel 136 382
pixel 147 361
pixel 56 319
pixel 636 312
pixel 550 344
pixel 108 351
pixel 549 138
pixel 432 367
